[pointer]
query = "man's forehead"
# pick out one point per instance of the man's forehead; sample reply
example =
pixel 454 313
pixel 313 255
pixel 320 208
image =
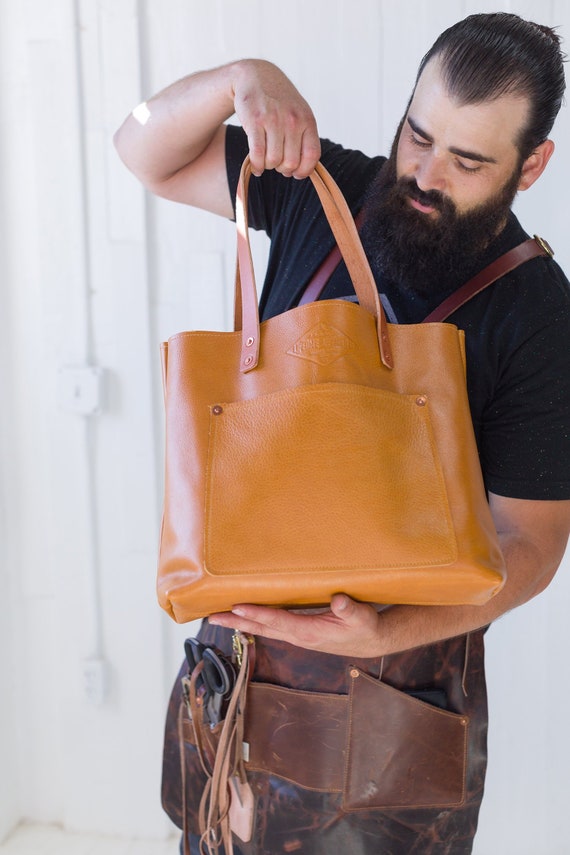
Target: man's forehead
pixel 470 125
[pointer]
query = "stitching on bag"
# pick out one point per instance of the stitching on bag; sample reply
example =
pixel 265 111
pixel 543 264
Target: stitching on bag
pixel 352 389
pixel 443 487
pixel 207 488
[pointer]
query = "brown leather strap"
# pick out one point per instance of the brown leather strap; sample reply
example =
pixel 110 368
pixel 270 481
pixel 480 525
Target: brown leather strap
pixel 342 224
pixel 500 267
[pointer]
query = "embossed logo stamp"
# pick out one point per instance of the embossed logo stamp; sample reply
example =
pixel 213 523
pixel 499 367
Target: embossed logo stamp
pixel 322 344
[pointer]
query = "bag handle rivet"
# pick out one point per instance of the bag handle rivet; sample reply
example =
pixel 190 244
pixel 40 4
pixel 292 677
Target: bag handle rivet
pixel 248 360
pixel 354 673
pixel 250 341
pixel 421 400
pixel 217 410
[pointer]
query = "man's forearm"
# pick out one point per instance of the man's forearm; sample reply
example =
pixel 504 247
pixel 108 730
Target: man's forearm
pixel 405 627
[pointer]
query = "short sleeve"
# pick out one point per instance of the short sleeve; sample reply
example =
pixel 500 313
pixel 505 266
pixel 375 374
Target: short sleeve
pixel 525 427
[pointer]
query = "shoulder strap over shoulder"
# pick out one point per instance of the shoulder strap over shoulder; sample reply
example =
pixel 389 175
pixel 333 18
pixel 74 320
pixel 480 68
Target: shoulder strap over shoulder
pixel 500 267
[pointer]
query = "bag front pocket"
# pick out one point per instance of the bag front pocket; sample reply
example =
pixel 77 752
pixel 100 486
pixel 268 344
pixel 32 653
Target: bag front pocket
pixel 401 752
pixel 332 476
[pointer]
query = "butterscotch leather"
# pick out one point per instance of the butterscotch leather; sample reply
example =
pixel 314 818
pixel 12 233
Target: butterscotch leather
pixel 348 241
pixel 322 450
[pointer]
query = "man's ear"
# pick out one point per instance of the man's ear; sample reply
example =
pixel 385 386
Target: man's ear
pixel 534 166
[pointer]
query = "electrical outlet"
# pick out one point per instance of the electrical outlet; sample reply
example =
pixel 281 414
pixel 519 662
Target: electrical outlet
pixel 79 389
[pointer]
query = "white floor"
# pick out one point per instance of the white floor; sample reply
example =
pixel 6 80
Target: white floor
pixel 50 840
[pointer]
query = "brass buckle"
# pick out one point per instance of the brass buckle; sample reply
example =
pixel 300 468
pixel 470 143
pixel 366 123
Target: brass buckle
pixel 543 244
pixel 240 642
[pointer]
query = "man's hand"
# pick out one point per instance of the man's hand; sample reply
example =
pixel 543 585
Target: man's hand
pixel 280 125
pixel 348 628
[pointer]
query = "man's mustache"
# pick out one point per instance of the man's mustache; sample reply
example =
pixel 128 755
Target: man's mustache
pixel 430 198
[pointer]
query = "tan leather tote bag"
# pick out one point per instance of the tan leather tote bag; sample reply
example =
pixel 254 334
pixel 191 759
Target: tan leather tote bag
pixel 323 450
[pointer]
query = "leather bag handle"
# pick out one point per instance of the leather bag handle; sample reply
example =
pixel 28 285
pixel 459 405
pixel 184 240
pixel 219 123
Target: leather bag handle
pixel 344 230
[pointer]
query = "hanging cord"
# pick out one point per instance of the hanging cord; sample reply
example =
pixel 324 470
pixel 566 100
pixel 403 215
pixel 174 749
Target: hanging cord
pixel 222 763
pixel 194 711
pixel 465 664
pixel 229 761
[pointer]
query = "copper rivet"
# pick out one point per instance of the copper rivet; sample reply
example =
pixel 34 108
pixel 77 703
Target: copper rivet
pixel 217 410
pixel 421 400
pixel 354 673
pixel 250 341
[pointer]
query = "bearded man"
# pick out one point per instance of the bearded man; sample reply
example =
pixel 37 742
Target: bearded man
pixel 475 132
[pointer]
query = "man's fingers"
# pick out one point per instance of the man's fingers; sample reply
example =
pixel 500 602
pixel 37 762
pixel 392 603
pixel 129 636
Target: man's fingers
pixel 310 153
pixel 284 143
pixel 257 149
pixel 342 606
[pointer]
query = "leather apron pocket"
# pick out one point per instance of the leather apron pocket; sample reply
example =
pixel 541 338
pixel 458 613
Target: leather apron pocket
pixel 401 752
pixel 378 746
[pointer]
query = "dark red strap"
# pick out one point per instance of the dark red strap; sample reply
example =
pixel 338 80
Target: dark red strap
pixel 323 273
pixel 500 267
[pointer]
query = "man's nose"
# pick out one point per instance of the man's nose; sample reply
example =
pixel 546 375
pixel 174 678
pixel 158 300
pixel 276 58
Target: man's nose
pixel 430 174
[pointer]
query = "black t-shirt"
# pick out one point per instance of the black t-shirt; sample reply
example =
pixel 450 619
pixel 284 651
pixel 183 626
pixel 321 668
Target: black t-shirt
pixel 517 330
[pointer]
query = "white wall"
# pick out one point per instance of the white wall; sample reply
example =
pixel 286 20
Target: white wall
pixel 96 274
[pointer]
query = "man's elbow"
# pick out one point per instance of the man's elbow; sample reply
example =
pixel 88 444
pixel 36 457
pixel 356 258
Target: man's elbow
pixel 547 566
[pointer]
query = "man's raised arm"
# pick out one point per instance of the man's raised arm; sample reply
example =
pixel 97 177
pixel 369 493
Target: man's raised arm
pixel 174 143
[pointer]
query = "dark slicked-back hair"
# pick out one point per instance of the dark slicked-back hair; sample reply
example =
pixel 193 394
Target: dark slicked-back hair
pixel 487 56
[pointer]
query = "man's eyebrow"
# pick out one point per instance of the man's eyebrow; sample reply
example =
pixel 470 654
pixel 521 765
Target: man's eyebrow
pixel 468 155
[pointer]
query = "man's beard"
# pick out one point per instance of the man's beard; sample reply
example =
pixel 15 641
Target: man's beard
pixel 423 253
